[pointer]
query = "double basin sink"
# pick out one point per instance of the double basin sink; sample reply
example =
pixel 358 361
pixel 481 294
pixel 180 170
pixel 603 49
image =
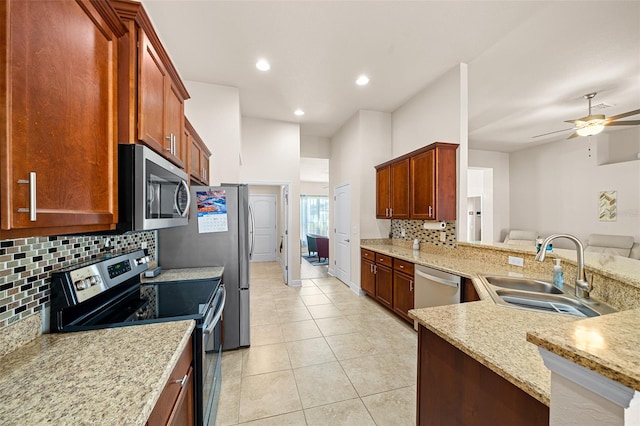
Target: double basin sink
pixel 541 296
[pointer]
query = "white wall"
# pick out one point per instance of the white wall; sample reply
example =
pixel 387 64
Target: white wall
pixel 271 155
pixel 621 145
pixel 361 143
pixel 315 146
pixel 555 188
pixel 499 162
pixel 438 113
pixel 214 112
pixel 314 188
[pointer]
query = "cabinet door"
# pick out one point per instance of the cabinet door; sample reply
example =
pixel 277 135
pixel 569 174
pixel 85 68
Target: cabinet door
pixel 59 147
pixel 402 294
pixel 183 413
pixel 367 277
pixel 151 96
pixel 383 192
pixel 422 196
pixel 174 127
pixel 400 190
pixel 384 285
pixel 204 162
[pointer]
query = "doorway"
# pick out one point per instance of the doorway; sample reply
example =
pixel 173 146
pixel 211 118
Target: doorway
pixel 341 240
pixel 264 227
pixel 480 205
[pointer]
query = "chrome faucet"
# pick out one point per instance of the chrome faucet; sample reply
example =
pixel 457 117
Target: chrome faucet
pixel 582 286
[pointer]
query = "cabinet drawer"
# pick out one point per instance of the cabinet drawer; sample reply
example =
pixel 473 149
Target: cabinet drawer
pixel 164 407
pixel 385 260
pixel 403 266
pixel 368 254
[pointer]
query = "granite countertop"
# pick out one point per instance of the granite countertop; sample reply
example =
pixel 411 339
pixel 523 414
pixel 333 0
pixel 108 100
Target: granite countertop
pixel 109 376
pixel 186 274
pixel 504 339
pixel 607 345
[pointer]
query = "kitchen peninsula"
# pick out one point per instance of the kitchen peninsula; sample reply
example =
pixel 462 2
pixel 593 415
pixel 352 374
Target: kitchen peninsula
pixel 499 339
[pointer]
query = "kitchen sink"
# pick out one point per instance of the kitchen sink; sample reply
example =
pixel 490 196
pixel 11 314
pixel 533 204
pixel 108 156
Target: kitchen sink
pixel 541 296
pixel 526 284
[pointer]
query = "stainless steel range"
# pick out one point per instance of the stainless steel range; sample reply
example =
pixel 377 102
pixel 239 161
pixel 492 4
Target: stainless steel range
pixel 108 293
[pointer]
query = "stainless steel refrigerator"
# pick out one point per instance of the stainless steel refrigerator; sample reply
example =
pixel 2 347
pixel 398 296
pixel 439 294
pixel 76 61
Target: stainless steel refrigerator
pixel 216 238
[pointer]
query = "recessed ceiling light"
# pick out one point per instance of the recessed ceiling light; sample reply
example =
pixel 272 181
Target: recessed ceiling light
pixel 263 65
pixel 298 112
pixel 362 80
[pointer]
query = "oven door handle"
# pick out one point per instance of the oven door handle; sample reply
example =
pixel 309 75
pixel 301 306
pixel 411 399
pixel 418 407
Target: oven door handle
pixel 210 325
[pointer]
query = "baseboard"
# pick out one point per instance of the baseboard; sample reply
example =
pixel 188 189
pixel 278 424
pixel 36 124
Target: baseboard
pixel 295 283
pixel 356 289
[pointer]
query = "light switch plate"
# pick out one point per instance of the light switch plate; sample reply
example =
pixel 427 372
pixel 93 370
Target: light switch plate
pixel 516 261
pixel 443 236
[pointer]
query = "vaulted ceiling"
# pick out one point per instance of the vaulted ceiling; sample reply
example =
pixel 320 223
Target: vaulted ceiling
pixel 530 62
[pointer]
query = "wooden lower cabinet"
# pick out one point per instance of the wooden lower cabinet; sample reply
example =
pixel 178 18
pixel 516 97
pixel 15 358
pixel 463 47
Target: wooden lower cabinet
pixel 469 293
pixel 384 285
pixel 455 389
pixel 368 277
pixel 402 294
pixel 175 405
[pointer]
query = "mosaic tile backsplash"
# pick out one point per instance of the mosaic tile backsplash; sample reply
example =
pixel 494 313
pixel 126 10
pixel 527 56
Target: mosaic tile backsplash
pixel 26 265
pixel 414 229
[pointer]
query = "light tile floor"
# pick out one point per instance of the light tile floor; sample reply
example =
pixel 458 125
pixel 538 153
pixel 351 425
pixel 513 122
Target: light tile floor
pixel 319 355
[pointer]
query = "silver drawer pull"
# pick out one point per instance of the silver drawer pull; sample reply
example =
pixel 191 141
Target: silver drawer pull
pixel 32 197
pixel 182 381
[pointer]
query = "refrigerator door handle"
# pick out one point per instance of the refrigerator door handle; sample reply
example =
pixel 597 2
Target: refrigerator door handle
pixel 253 233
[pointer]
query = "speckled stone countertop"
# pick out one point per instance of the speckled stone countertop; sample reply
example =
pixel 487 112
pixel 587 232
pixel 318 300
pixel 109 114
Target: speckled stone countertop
pixel 186 274
pixel 607 345
pixel 504 339
pixel 101 377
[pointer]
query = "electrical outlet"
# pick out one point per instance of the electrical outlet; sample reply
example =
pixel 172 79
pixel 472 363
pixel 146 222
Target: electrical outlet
pixel 516 261
pixel 143 245
pixel 403 232
pixel 443 236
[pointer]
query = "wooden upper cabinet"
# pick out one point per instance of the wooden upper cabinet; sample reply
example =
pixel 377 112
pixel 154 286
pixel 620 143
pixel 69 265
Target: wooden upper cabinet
pixel 199 156
pixel 383 192
pixel 392 190
pixel 418 185
pixel 58 102
pixel 433 183
pixel 151 93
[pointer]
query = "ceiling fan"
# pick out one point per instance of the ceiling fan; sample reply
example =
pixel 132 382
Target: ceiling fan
pixel 593 124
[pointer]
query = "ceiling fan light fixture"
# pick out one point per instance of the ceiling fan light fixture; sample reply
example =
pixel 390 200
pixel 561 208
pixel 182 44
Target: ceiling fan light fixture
pixel 590 128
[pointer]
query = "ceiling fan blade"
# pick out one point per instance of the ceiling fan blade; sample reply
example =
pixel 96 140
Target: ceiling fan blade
pixel 551 133
pixel 625 114
pixel 574 135
pixel 624 123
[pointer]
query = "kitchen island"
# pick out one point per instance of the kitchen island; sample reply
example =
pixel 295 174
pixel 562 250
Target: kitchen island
pixel 505 340
pixel 100 377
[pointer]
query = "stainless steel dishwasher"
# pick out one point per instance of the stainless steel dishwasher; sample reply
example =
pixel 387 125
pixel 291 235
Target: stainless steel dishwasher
pixel 435 288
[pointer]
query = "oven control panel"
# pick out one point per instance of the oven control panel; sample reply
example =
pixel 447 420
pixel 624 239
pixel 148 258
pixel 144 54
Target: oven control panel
pixel 119 268
pixel 84 281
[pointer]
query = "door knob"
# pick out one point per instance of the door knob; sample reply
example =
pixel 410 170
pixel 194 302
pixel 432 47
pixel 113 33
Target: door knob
pixel 347 240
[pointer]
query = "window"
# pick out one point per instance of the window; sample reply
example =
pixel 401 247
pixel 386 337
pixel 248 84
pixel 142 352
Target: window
pixel 314 216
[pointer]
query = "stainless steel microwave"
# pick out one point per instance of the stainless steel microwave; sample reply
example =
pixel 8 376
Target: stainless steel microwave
pixel 153 193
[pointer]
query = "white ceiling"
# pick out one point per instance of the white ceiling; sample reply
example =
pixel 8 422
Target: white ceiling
pixel 530 62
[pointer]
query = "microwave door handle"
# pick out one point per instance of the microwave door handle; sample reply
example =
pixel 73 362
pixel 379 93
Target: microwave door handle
pixel 175 198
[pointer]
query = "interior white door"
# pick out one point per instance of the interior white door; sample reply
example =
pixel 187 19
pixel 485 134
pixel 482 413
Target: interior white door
pixel 264 219
pixel 285 234
pixel 341 240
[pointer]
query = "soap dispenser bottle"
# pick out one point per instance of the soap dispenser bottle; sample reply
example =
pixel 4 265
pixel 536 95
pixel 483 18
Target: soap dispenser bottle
pixel 558 275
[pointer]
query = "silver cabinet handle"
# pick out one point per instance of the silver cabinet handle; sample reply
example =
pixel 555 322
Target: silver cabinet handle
pixel 32 196
pixel 430 211
pixel 390 212
pixel 410 285
pixel 170 139
pixel 386 212
pixel 375 269
pixel 182 381
pixel 371 268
